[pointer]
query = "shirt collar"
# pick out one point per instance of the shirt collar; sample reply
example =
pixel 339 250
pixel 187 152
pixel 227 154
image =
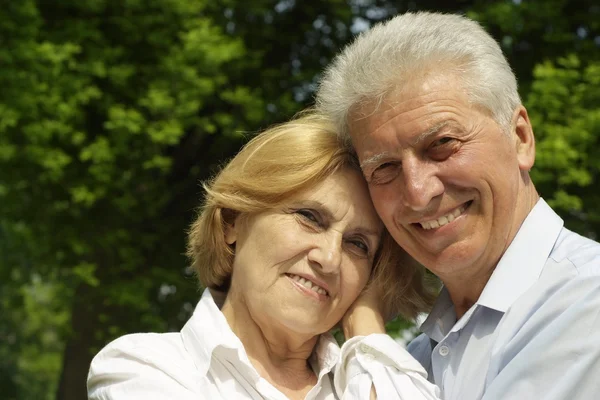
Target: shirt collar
pixel 518 269
pixel 441 318
pixel 208 330
pixel 326 355
pixel 523 262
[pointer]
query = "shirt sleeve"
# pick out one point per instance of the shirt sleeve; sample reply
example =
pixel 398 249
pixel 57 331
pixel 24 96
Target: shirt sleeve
pixel 378 360
pixel 128 370
pixel 555 351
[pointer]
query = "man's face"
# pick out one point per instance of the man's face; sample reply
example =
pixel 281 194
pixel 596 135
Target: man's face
pixel 444 177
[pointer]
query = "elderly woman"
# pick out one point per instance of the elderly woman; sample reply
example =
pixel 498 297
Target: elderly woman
pixel 288 245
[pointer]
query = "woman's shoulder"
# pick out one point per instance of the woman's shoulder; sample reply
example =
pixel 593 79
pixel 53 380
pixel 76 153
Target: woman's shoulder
pixel 141 361
pixel 144 344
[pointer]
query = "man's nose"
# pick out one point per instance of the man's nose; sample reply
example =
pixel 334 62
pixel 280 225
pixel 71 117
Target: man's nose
pixel 421 182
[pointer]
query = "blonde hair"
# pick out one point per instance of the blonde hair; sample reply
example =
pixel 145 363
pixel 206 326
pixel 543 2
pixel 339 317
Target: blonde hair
pixel 269 170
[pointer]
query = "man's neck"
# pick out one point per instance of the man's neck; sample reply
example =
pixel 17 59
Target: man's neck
pixel 465 289
pixel 466 293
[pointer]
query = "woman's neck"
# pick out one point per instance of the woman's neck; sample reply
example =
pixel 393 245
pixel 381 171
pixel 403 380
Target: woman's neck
pixel 280 357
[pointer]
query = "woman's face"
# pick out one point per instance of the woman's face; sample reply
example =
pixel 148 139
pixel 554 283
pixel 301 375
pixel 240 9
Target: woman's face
pixel 300 267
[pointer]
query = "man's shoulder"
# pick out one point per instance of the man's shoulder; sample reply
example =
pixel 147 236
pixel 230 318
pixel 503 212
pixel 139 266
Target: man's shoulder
pixel 571 272
pixel 582 253
pixel 568 287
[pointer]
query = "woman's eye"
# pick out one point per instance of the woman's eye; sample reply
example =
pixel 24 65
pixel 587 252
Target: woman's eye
pixel 361 245
pixel 308 215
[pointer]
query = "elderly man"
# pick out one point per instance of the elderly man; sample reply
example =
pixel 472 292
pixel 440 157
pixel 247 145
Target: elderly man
pixel 431 107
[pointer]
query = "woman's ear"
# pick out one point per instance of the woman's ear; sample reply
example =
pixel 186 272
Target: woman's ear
pixel 230 219
pixel 230 233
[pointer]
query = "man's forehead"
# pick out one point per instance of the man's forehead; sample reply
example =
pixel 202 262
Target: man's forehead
pixel 370 114
pixel 367 135
pixel 371 117
pixel 367 113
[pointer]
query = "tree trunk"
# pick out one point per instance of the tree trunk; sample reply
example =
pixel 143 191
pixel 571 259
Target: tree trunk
pixel 77 355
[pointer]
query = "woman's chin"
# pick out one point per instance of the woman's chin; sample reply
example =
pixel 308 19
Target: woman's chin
pixel 306 326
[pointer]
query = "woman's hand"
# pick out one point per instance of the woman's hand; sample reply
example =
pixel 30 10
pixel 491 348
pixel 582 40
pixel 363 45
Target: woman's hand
pixel 366 315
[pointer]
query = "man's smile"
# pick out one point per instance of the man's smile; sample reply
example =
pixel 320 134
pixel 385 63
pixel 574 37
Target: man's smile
pixel 436 222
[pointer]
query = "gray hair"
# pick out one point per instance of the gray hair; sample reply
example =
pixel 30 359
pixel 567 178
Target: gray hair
pixel 382 58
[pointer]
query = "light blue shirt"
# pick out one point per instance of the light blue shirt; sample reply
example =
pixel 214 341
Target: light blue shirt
pixel 534 333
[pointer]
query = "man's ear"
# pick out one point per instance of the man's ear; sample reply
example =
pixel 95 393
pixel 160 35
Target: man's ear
pixel 524 139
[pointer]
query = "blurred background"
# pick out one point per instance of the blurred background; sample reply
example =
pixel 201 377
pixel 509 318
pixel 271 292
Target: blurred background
pixel 113 111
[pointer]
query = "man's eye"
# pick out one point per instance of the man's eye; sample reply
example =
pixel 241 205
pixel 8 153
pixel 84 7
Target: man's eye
pixel 442 141
pixel 384 166
pixel 385 173
pixel 443 148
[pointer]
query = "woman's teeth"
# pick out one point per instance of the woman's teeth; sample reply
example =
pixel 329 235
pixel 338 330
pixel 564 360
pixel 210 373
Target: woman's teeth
pixel 308 284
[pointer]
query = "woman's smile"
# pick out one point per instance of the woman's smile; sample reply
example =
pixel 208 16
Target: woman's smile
pixel 308 287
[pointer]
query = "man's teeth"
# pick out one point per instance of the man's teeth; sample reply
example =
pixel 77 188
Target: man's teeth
pixel 308 284
pixel 441 221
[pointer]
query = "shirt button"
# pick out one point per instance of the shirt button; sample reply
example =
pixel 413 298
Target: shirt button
pixel 444 351
pixel 368 352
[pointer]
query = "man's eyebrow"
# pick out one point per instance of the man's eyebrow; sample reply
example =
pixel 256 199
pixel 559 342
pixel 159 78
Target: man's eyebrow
pixel 423 136
pixel 374 160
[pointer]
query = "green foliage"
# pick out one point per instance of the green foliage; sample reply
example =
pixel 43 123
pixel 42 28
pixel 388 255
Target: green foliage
pixel 564 104
pixel 557 61
pixel 33 321
pixel 45 321
pixel 97 99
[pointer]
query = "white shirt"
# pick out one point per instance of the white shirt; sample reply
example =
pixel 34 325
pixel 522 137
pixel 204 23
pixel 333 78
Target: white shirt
pixel 534 333
pixel 206 360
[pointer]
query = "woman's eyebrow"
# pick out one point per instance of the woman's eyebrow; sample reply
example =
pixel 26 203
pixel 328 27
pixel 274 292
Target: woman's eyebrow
pixel 368 232
pixel 317 205
pixel 326 213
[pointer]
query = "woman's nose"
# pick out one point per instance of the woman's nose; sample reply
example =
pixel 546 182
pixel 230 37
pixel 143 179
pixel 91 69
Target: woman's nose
pixel 327 253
